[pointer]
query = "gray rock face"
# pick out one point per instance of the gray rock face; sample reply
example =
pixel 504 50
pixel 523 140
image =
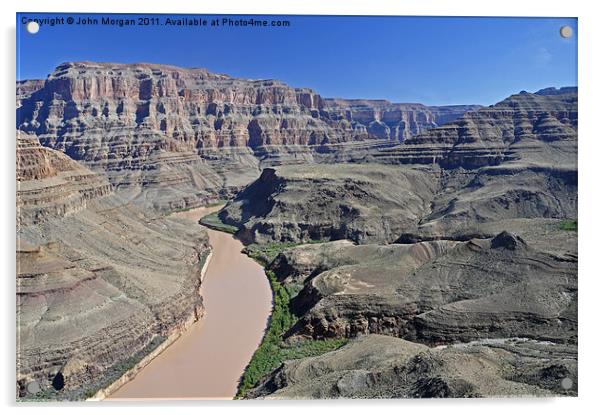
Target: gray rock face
pixel 27 87
pixel 557 91
pixel 451 197
pixel 433 292
pixel 98 279
pixel 50 184
pixel 175 137
pixel 205 110
pixel 386 120
pixel 378 203
pixel 375 366
pixel 444 228
pixel 526 126
pixel 359 202
pixel 484 260
pixel 482 203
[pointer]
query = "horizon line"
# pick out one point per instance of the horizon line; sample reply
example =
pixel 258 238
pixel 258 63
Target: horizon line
pixel 556 87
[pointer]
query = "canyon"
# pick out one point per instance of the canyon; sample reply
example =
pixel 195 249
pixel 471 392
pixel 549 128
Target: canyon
pixel 437 240
pixel 174 136
pixel 98 279
pixel 460 243
pixel 209 358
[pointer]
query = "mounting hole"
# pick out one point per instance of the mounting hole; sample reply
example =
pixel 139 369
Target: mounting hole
pixel 566 383
pixel 33 387
pixel 566 31
pixel 32 27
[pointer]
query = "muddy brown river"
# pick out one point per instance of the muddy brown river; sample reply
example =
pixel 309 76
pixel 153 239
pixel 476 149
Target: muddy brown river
pixel 206 362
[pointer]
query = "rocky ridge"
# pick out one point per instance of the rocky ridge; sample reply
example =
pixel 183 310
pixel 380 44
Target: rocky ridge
pixel 461 243
pixel 26 88
pixel 448 239
pixel 322 202
pixel 517 128
pixel 189 134
pixel 436 292
pixel 390 121
pixel 50 184
pixel 98 279
pixel 376 366
pixel 461 193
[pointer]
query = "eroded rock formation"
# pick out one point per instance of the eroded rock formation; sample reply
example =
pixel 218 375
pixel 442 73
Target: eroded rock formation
pixel 390 121
pixel 175 136
pixel 317 202
pixel 98 279
pixel 50 184
pixel 538 127
pixel 445 227
pixel 467 189
pixel 483 256
pixel 435 292
pixel 26 88
pixel 376 366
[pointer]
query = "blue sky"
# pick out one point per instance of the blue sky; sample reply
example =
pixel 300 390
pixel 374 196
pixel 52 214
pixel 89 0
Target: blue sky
pixel 432 60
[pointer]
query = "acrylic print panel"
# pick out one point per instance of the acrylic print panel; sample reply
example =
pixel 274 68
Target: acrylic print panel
pixel 297 207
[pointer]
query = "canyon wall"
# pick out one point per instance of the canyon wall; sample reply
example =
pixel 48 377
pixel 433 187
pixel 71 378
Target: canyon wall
pixel 461 241
pixel 435 224
pixel 513 161
pixel 188 135
pixel 99 281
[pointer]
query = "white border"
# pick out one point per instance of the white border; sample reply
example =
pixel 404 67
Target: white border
pixel 590 162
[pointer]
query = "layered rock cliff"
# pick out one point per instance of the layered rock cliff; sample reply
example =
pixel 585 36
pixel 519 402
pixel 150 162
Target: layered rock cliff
pixel 447 225
pixel 199 109
pixel 190 135
pixel 390 121
pixel 50 184
pixel 435 292
pixel 520 127
pixel 26 88
pixel 516 161
pixel 99 281
pixel 364 203
pixel 485 211
pixel 484 318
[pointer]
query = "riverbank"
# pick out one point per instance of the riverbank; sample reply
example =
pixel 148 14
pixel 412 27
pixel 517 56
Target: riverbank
pixel 208 359
pixel 273 350
pixel 104 392
pixel 131 374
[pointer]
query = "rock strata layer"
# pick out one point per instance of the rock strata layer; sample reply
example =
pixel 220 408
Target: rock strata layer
pixel 461 241
pixel 538 127
pixel 444 239
pixel 436 292
pixel 321 202
pixel 50 184
pixel 467 189
pixel 174 136
pixel 376 366
pixel 98 280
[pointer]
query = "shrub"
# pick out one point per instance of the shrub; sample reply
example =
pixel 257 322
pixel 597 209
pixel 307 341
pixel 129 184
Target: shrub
pixel 569 225
pixel 273 352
